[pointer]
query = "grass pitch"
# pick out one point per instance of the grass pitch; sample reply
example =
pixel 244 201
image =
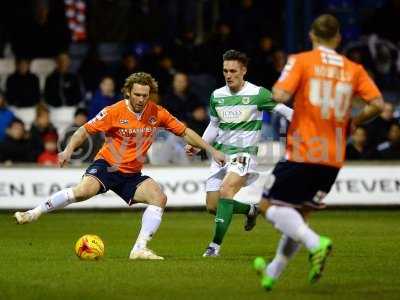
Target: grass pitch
pixel 37 260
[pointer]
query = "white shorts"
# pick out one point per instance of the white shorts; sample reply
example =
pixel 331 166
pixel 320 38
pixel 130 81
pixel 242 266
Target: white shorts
pixel 242 164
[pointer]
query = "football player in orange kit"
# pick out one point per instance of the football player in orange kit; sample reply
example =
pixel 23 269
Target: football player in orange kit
pixel 129 127
pixel 323 84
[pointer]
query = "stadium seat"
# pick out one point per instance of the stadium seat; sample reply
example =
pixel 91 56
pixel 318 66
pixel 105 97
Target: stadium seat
pixel 62 117
pixel 42 67
pixel 7 67
pixel 26 114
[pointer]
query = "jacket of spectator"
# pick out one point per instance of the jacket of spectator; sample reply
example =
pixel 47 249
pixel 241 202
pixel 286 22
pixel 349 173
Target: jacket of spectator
pixel 103 97
pixel 39 128
pixel 181 102
pixel 49 156
pixel 16 147
pixel 390 149
pixel 22 86
pixel 357 148
pixel 6 116
pixel 62 88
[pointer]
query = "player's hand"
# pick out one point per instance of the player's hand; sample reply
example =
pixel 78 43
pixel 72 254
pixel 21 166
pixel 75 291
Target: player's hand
pixel 219 157
pixel 63 158
pixel 191 151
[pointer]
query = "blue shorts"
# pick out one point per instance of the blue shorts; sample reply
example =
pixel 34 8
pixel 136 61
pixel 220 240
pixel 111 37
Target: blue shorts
pixel 123 184
pixel 300 184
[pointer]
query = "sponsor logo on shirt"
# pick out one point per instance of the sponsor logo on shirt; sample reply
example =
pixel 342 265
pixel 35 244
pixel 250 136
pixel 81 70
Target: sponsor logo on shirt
pixel 152 120
pixel 245 100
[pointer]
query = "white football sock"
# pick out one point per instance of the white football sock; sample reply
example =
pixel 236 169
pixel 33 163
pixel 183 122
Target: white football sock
pixel 287 248
pixel 290 222
pixel 56 201
pixel 151 220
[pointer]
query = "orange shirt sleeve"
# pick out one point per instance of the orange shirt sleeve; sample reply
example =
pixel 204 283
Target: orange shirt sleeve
pixel 291 75
pixel 102 122
pixel 169 122
pixel 365 86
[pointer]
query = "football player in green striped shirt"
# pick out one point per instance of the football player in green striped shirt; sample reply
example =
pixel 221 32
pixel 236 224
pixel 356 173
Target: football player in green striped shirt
pixel 235 129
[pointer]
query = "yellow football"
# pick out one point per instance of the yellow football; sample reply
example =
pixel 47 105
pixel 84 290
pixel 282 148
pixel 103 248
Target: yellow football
pixel 89 247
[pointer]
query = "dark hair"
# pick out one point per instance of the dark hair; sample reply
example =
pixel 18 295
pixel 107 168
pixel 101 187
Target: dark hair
pixel 81 111
pixel 236 55
pixel 325 27
pixel 16 120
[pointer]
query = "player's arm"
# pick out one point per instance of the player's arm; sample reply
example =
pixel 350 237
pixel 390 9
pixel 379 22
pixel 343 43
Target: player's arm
pixel 288 81
pixel 209 136
pixel 268 103
pixel 284 111
pixel 76 140
pixel 280 95
pixel 371 109
pixel 369 92
pixel 195 140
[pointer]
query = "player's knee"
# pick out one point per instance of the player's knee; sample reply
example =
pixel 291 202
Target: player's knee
pixel 263 206
pixel 161 200
pixel 227 190
pixel 84 192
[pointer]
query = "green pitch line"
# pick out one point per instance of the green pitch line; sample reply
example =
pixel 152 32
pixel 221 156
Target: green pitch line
pixel 37 261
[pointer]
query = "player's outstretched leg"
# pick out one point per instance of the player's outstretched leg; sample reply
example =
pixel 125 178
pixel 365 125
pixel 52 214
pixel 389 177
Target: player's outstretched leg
pixel 148 192
pixel 290 222
pixel 56 201
pixel 270 273
pixel 86 189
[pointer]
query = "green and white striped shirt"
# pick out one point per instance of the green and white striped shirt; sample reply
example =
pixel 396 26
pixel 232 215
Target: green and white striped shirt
pixel 240 117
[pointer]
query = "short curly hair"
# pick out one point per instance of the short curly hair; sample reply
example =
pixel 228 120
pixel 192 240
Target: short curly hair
pixel 141 78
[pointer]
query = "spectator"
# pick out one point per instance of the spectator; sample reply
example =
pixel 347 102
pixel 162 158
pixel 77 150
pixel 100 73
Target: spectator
pixel 357 148
pixel 129 66
pixel 92 70
pixel 151 60
pixel 6 117
pixel 62 87
pixel 220 41
pixel 186 52
pixel 278 61
pixel 49 156
pixel 181 102
pixel 40 127
pixel 103 97
pixel 378 129
pixel 261 63
pixel 164 73
pixel 16 147
pixel 22 87
pixel 390 149
pixel 86 152
pixel 198 121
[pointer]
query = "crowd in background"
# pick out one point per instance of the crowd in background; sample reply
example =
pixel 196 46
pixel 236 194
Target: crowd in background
pixel 181 44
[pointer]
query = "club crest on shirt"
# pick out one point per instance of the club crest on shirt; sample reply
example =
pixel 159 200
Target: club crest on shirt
pixel 245 100
pixel 123 121
pixel 152 120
